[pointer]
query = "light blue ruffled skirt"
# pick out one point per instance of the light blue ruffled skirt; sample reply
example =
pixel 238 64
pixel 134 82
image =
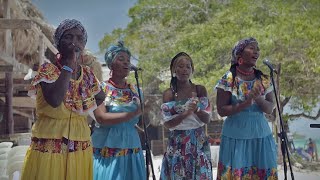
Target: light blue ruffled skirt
pixel 247 158
pixel 130 166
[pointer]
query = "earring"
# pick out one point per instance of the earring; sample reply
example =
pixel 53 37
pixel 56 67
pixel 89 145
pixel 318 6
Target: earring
pixel 240 61
pixel 110 73
pixel 173 74
pixel 58 56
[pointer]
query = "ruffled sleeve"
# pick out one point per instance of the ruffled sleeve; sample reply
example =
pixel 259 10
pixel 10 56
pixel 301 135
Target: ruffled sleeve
pixel 47 73
pixel 226 82
pixel 80 95
pixel 168 111
pixel 267 85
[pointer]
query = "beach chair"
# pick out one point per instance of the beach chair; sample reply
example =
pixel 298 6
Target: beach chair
pixel 3 167
pixel 17 150
pixel 6 144
pixel 4 150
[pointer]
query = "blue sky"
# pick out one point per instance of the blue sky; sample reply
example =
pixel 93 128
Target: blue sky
pixel 98 16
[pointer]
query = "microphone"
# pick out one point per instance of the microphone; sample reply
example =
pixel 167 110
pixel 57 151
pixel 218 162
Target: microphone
pixel 270 66
pixel 134 68
pixel 77 50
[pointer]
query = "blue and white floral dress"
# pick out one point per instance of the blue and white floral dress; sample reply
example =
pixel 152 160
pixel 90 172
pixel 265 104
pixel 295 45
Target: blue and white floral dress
pixel 117 149
pixel 188 151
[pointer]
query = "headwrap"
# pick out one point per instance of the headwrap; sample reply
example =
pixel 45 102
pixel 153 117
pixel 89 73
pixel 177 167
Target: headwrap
pixel 174 62
pixel 113 51
pixel 66 25
pixel 239 47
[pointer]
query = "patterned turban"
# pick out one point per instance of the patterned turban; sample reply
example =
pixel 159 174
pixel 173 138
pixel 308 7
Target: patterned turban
pixel 113 51
pixel 239 47
pixel 66 25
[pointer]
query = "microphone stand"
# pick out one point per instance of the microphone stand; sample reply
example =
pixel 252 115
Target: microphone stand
pixel 148 152
pixel 282 135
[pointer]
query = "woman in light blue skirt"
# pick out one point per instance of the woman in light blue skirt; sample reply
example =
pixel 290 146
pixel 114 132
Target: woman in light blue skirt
pixel 244 94
pixel 116 143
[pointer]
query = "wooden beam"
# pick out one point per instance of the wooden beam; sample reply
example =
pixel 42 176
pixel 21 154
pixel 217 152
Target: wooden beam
pixel 15 24
pixel 6 68
pixel 15 94
pixel 41 50
pixel 46 41
pixel 3 89
pixel 8 36
pixel 22 113
pixel 17 81
pixel 17 66
pixel 8 103
pixel 17 89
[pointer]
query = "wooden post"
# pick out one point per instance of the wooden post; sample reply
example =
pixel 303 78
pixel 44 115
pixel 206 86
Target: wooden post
pixel 8 75
pixel 41 50
pixel 8 36
pixel 8 103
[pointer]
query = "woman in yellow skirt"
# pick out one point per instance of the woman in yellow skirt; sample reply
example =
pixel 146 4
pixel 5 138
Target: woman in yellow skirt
pixel 65 93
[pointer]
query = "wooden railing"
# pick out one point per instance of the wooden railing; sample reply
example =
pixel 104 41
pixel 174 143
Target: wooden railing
pixel 8 24
pixel 8 62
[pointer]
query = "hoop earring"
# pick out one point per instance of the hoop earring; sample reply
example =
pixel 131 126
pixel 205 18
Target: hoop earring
pixel 110 73
pixel 58 59
pixel 58 56
pixel 240 61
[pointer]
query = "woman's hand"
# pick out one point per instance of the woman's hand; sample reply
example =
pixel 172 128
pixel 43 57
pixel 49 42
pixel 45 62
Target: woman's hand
pixel 70 55
pixel 192 106
pixel 254 93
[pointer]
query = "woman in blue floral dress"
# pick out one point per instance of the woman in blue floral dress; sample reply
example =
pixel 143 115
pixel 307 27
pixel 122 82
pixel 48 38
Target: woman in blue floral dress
pixel 244 94
pixel 117 149
pixel 186 109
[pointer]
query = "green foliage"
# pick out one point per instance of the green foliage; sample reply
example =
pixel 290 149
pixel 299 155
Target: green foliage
pixel 287 31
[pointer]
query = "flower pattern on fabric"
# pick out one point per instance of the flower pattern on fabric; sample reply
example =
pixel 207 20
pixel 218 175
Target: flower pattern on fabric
pixel 172 108
pixel 80 94
pixel 187 156
pixel 114 152
pixel 227 172
pixel 116 96
pixel 244 87
pixel 58 145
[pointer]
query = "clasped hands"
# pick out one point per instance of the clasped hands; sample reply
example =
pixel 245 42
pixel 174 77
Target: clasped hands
pixel 255 94
pixel 192 106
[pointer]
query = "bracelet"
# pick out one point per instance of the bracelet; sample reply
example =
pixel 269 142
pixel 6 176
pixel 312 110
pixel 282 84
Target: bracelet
pixel 67 68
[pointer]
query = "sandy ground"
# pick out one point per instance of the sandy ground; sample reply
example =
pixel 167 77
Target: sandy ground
pixel 298 174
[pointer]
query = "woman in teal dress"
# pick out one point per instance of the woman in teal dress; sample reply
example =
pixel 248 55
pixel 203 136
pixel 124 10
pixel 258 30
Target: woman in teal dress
pixel 244 94
pixel 117 149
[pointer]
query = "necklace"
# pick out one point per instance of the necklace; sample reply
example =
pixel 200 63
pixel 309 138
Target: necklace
pixel 117 86
pixel 244 72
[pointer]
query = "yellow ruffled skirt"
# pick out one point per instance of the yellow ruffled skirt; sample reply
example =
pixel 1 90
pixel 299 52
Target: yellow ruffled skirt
pixel 75 165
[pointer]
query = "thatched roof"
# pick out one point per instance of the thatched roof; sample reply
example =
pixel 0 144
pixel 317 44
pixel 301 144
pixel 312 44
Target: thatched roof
pixel 26 42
